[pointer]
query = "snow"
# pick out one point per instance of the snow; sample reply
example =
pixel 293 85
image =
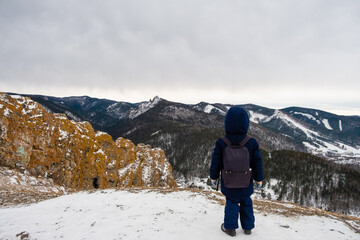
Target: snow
pixel 16 97
pixel 153 214
pixel 112 106
pixel 29 104
pixel 60 116
pixel 15 181
pixel 36 116
pixel 143 107
pixel 309 116
pixel 208 108
pixel 268 190
pixel 100 151
pixel 336 147
pixel 194 182
pixel 122 171
pixel 99 133
pixel 71 115
pixel 63 134
pixel 7 112
pixel 85 136
pixel 326 124
pixel 155 133
pixel 291 123
pixel 340 125
pixel 257 117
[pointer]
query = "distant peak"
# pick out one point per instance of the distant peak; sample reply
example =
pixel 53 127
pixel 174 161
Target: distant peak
pixel 144 107
pixel 155 99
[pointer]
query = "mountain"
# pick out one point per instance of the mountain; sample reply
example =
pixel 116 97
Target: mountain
pixel 301 129
pixel 101 113
pixel 296 139
pixel 72 153
pixel 164 214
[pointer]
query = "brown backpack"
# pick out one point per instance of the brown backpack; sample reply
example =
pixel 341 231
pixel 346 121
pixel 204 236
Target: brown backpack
pixel 236 172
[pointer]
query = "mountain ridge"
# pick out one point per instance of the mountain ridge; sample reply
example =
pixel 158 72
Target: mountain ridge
pixel 315 131
pixel 187 134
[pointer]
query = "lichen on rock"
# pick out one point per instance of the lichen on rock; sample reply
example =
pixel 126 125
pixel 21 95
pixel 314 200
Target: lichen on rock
pixel 72 153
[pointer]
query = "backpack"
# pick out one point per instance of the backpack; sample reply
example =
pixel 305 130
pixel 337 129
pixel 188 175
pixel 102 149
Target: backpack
pixel 236 172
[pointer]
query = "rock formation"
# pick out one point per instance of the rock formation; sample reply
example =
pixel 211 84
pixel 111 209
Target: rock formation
pixel 72 153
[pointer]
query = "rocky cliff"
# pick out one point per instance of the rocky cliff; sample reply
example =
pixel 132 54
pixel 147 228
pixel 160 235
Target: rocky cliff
pixel 72 153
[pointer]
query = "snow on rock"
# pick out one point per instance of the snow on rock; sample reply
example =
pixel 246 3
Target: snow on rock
pixel 326 124
pixel 63 134
pixel 99 133
pixel 60 116
pixel 21 181
pixel 17 187
pixel 7 112
pixel 162 215
pixel 143 107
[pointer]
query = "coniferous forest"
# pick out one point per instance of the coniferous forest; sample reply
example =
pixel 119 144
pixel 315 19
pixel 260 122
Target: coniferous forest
pixel 311 181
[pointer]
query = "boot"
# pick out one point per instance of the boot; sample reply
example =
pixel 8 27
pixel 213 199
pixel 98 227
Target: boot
pixel 247 232
pixel 230 232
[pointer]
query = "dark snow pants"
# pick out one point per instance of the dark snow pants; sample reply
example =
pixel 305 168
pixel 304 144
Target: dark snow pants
pixel 236 206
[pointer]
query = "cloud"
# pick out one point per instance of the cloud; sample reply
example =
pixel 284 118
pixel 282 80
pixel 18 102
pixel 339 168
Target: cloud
pixel 230 47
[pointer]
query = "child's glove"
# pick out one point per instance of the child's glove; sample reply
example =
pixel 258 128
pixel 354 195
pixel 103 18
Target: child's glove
pixel 213 184
pixel 258 185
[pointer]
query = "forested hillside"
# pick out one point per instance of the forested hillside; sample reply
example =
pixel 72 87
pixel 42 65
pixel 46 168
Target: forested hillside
pixel 311 181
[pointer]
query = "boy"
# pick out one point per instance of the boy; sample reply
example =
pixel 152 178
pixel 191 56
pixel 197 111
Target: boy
pixel 237 199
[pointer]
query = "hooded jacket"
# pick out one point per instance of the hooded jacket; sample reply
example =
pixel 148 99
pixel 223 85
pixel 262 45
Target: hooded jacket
pixel 236 128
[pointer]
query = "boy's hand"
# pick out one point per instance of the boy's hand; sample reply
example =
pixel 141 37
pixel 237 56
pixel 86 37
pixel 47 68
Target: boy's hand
pixel 213 184
pixel 258 185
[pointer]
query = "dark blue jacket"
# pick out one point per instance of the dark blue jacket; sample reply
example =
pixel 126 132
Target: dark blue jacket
pixel 236 127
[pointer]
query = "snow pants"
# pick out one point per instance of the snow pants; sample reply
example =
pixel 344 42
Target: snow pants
pixel 236 206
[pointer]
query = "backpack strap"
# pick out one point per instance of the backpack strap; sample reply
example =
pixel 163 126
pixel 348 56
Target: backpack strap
pixel 245 140
pixel 226 140
pixel 242 143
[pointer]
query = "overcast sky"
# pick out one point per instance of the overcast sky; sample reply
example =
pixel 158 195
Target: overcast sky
pixel 271 53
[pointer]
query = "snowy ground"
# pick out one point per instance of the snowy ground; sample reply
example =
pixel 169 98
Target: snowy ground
pixel 159 214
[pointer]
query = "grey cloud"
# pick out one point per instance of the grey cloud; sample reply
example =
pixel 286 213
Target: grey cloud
pixel 180 44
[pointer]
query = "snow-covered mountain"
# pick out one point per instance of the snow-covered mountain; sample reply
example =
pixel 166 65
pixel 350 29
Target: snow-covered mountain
pixel 143 107
pixel 316 131
pixel 162 214
pixel 187 134
pixel 310 130
pixel 101 113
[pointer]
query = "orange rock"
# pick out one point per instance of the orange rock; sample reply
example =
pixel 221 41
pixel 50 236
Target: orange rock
pixel 72 153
